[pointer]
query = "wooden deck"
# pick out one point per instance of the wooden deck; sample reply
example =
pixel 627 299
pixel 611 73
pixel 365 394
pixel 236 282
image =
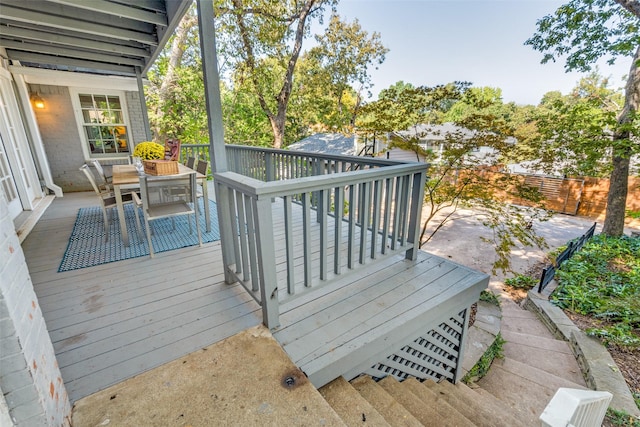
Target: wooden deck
pixel 114 321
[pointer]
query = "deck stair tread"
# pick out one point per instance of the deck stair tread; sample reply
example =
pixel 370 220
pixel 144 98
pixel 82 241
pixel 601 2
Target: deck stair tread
pixel 345 327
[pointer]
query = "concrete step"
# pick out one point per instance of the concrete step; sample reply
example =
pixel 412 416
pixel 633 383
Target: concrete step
pixel 524 389
pixel 354 409
pixel 472 406
pixel 425 407
pixel 525 323
pixel 547 354
pixel 393 412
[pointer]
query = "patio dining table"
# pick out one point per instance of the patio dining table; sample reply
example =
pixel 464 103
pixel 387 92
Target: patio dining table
pixel 125 177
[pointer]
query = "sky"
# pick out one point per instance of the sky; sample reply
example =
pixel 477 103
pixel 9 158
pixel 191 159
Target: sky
pixel 435 42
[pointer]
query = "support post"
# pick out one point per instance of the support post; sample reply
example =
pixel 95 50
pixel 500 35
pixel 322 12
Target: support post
pixel 217 154
pixel 143 105
pixel 266 263
pixel 415 214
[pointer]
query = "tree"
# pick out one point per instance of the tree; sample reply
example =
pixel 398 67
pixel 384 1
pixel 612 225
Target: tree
pixel 254 30
pixel 346 52
pixel 175 93
pixel 459 179
pixel 571 135
pixel 582 32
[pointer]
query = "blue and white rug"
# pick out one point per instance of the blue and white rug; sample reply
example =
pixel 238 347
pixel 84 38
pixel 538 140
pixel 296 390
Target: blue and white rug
pixel 87 246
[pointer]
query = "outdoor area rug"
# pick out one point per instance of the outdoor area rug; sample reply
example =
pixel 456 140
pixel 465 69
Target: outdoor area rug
pixel 87 246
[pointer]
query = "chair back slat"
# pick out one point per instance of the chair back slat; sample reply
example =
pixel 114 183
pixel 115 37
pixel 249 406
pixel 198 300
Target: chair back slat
pixel 202 167
pixel 191 162
pixel 91 178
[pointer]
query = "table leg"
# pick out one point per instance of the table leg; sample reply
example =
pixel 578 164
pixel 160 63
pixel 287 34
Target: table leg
pixel 121 219
pixel 207 214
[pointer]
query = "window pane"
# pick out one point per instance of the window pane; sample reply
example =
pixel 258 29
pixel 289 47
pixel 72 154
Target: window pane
pixel 86 101
pixel 114 102
pixel 101 101
pixel 104 129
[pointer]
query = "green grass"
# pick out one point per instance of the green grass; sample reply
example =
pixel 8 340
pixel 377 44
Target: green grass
pixel 621 418
pixel 602 281
pixel 482 367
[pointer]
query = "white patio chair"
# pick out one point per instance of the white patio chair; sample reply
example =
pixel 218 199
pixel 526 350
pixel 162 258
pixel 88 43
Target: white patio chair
pixel 191 162
pixel 108 200
pixel 106 181
pixel 156 205
pixel 202 167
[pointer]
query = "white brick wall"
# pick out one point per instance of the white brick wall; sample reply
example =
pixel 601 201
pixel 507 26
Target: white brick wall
pixel 29 375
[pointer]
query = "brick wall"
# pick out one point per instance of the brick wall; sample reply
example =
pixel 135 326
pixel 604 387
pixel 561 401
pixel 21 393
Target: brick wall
pixel 61 138
pixel 29 375
pixel 138 133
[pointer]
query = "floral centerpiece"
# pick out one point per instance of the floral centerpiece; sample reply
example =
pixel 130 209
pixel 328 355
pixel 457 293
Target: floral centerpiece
pixel 148 150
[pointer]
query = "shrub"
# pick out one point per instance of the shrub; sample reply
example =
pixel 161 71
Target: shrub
pixel 521 282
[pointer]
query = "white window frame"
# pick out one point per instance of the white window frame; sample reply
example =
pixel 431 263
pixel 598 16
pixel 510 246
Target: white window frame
pixel 75 93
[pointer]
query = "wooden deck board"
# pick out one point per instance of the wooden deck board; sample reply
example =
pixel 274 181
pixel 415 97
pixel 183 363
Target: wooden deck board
pixel 114 321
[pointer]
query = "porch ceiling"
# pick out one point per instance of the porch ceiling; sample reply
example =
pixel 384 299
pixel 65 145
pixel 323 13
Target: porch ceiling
pixel 109 37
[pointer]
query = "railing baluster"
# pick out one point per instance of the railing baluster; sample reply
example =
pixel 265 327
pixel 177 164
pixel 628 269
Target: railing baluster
pixel 306 232
pixel 352 227
pixel 288 240
pixel 396 215
pixel 404 207
pixel 251 233
pixel 324 203
pixel 234 234
pixel 364 226
pixel 243 238
pixel 375 223
pixel 388 188
pixel 338 216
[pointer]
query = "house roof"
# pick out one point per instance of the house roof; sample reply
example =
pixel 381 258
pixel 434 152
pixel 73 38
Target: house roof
pixel 99 36
pixel 436 132
pixel 326 143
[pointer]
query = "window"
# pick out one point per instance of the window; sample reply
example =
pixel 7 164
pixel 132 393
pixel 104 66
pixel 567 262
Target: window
pixel 103 123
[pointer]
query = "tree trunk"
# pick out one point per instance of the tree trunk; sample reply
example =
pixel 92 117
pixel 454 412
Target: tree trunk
pixel 175 62
pixel 619 183
pixel 277 125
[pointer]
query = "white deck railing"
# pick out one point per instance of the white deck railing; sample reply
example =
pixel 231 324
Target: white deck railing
pixel 364 209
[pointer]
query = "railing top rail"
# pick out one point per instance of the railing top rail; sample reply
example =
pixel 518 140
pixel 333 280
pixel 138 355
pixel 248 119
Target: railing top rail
pixel 288 187
pixel 358 159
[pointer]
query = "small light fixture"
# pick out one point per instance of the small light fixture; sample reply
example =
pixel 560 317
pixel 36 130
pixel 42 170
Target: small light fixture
pixel 38 102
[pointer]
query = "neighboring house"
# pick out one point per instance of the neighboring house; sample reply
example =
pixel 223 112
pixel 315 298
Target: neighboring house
pixel 326 143
pixel 433 138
